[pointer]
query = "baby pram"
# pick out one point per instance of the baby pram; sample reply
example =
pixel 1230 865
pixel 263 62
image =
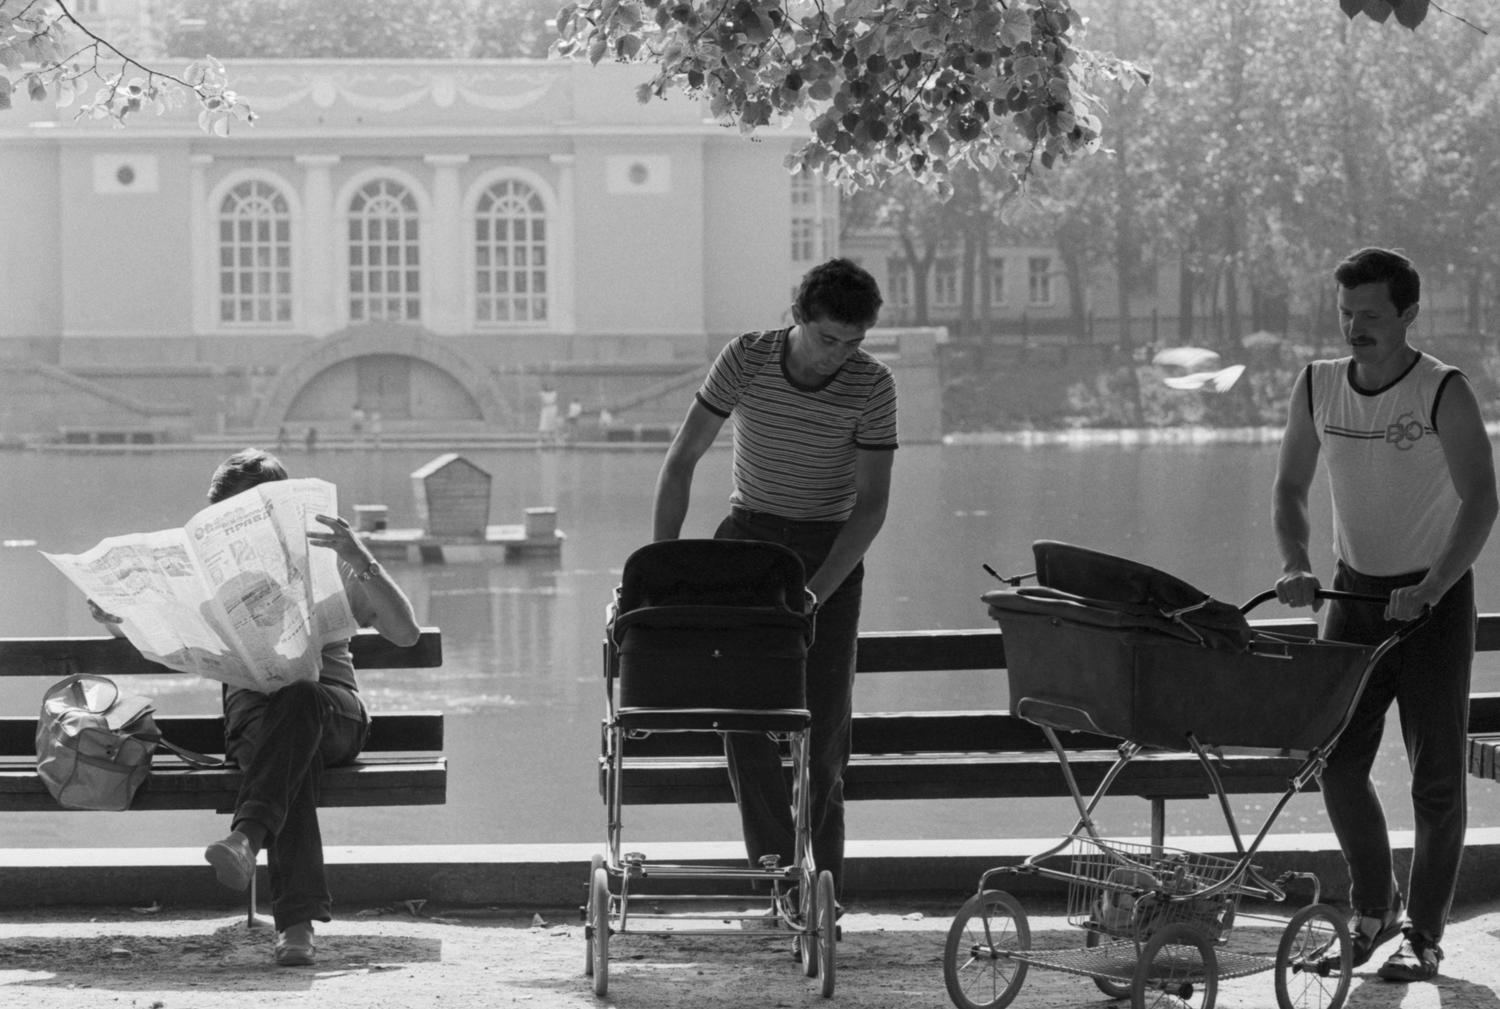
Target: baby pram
pixel 1110 646
pixel 707 637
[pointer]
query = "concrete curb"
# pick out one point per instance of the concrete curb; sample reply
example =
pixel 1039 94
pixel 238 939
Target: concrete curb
pixel 554 875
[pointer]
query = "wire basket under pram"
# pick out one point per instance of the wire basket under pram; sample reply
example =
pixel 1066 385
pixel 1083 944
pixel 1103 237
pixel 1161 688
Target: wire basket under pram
pixel 1129 890
pixel 1107 645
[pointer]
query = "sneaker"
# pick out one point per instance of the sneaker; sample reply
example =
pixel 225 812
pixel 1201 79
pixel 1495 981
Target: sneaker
pixel 1416 960
pixel 295 947
pixel 1370 930
pixel 233 860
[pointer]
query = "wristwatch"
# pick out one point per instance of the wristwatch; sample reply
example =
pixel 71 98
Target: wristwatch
pixel 369 572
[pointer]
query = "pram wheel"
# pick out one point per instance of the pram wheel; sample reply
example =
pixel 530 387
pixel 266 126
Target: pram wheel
pixel 1114 988
pixel 827 925
pixel 588 918
pixel 807 905
pixel 599 929
pixel 979 966
pixel 1177 965
pixel 1315 960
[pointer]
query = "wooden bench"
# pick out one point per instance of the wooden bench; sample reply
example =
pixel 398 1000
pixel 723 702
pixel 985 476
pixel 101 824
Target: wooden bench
pixel 402 764
pixel 990 754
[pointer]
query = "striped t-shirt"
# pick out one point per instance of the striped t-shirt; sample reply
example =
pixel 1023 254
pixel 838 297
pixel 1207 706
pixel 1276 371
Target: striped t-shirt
pixel 794 446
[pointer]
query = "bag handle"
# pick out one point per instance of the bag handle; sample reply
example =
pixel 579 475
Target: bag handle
pixel 193 756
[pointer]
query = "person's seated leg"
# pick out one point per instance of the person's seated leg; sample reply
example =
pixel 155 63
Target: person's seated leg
pixel 233 857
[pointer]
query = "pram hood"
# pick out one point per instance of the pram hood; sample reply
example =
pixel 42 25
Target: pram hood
pixel 1133 589
pixel 707 572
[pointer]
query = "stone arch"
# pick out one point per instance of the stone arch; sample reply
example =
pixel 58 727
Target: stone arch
pixel 466 376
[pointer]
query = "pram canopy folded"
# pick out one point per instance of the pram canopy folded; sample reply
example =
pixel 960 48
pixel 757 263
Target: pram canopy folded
pixel 1132 587
pixel 711 624
pixel 1146 657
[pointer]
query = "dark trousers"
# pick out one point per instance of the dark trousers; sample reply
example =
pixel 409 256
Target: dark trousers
pixel 755 772
pixel 1427 676
pixel 282 742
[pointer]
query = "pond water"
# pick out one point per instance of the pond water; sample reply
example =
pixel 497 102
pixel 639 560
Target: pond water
pixel 521 685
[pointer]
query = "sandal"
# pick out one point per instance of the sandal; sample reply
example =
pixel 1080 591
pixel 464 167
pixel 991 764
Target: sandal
pixel 1370 930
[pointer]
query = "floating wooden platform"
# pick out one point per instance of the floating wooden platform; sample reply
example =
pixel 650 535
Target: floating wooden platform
pixel 508 542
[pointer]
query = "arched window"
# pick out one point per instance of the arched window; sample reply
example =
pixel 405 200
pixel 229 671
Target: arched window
pixel 510 255
pixel 255 256
pixel 385 264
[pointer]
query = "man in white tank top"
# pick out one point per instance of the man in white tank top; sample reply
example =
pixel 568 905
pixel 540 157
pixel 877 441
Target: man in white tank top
pixel 1412 481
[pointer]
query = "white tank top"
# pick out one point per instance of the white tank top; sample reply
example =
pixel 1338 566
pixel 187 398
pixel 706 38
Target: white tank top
pixel 1393 500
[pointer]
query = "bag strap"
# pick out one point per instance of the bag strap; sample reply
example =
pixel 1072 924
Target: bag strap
pixel 193 757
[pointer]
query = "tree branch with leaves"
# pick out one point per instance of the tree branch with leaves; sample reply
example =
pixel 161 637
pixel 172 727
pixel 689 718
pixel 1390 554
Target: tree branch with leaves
pixel 47 52
pixel 914 88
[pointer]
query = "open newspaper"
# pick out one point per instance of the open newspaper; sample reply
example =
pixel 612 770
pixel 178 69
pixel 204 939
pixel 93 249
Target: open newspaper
pixel 236 595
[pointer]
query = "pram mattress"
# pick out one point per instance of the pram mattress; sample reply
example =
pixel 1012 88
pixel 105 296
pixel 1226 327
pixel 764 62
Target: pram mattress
pixel 1085 665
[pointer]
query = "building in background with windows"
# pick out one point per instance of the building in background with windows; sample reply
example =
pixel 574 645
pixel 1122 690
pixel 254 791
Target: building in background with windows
pixel 429 241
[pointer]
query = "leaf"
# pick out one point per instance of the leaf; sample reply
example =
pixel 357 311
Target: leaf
pixel 1378 10
pixel 1351 8
pixel 1015 27
pixel 1410 13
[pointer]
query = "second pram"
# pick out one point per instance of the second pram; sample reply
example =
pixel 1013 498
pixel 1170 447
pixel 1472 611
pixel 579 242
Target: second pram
pixel 707 638
pixel 1110 646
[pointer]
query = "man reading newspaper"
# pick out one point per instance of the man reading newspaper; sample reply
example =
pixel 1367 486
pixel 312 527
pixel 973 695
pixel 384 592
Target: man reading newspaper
pixel 261 591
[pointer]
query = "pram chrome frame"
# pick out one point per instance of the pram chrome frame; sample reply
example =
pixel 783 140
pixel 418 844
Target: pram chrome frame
pixel 802 901
pixel 1147 939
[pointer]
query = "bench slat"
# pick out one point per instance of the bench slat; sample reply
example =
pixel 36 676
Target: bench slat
pixel 933 651
pixel 1484 757
pixel 976 776
pixel 372 781
pixel 396 732
pixel 902 732
pixel 111 656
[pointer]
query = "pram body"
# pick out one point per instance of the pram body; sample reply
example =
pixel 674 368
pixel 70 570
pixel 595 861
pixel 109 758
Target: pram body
pixel 707 636
pixel 1111 646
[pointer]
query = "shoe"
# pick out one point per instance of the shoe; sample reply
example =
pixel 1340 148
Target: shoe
pixel 1416 960
pixel 295 947
pixel 233 860
pixel 1370 930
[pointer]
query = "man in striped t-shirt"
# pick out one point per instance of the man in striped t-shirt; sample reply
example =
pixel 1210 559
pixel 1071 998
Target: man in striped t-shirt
pixel 814 436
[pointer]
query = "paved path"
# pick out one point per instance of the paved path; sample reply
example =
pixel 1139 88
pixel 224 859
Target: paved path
pixel 392 958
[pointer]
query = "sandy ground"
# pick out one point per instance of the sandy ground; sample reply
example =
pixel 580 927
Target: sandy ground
pixel 415 956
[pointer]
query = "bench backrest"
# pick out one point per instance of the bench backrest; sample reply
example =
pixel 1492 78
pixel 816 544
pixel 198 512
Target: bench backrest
pixel 54 658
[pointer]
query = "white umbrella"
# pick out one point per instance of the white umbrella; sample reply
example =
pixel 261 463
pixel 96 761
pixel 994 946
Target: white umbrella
pixel 1216 381
pixel 1190 358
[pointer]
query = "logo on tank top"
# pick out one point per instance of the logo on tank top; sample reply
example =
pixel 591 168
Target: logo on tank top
pixel 1405 433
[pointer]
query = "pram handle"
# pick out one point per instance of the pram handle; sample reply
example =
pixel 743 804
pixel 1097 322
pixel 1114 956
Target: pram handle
pixel 1401 633
pixel 1270 594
